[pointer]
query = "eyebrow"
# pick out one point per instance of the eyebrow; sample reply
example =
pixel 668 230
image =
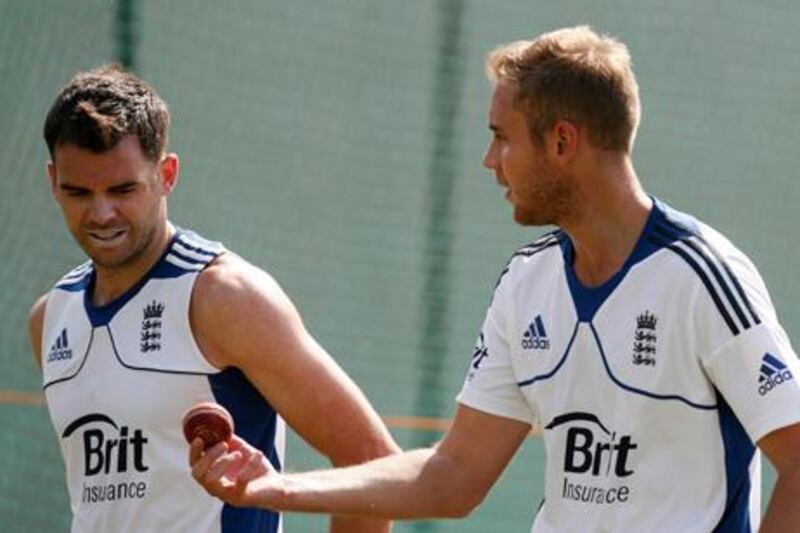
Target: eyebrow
pixel 123 185
pixel 68 187
pixel 117 187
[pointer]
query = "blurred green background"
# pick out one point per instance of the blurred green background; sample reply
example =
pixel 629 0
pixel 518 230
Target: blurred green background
pixel 337 145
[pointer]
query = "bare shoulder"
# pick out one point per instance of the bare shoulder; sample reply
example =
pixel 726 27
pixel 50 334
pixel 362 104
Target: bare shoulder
pixel 233 303
pixel 230 282
pixel 36 315
pixel 35 325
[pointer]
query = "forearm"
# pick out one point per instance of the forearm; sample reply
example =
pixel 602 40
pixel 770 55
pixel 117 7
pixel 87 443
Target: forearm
pixel 416 484
pixel 373 443
pixel 352 524
pixel 783 513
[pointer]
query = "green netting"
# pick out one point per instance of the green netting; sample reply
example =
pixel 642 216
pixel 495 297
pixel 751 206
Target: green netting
pixel 338 144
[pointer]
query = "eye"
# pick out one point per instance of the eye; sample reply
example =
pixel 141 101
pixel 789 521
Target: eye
pixel 124 189
pixel 75 193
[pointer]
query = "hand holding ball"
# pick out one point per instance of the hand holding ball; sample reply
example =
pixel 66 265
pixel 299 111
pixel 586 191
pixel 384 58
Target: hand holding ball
pixel 210 422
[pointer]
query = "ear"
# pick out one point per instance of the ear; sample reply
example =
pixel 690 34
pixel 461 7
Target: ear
pixel 168 170
pixel 565 139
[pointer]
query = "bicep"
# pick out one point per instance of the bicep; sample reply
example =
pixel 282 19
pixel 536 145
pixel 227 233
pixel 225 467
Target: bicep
pixel 316 398
pixel 782 448
pixel 480 445
pixel 257 329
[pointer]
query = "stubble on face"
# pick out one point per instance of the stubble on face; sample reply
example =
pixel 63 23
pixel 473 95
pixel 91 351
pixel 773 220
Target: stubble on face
pixel 140 236
pixel 538 189
pixel 546 198
pixel 110 201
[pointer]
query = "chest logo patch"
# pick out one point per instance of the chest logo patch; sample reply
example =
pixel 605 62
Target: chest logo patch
pixel 644 340
pixel 535 337
pixel 60 349
pixel 151 327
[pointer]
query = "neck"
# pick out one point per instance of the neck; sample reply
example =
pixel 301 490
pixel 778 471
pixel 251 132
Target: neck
pixel 611 213
pixel 112 282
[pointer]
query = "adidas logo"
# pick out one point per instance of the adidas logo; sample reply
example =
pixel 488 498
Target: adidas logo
pixel 772 373
pixel 60 349
pixel 535 337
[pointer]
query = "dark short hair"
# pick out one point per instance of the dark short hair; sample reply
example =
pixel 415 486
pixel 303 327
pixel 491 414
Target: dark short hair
pixel 100 107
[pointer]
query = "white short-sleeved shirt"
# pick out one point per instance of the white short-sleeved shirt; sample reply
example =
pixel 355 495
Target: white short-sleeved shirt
pixel 118 380
pixel 650 390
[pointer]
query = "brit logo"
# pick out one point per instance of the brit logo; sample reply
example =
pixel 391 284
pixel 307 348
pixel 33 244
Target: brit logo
pixel 60 349
pixel 151 327
pixel 772 373
pixel 535 337
pixel 644 341
pixel 110 449
pixel 597 460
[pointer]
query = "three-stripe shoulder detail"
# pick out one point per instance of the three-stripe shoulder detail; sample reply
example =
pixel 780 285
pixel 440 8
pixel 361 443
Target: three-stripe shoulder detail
pixel 192 253
pixel 714 272
pixel 76 276
pixel 543 243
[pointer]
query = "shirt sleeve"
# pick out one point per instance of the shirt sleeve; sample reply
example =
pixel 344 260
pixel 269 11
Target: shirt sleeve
pixel 490 385
pixel 756 373
pixel 757 370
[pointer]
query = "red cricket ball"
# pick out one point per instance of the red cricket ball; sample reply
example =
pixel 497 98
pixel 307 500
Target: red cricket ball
pixel 209 421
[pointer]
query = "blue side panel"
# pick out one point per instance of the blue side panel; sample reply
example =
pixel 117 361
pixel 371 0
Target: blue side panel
pixel 739 452
pixel 256 422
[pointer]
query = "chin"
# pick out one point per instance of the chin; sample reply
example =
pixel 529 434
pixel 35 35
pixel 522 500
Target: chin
pixel 530 219
pixel 108 260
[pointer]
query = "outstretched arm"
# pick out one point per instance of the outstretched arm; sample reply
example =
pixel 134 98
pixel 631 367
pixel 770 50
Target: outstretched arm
pixel 448 480
pixel 242 318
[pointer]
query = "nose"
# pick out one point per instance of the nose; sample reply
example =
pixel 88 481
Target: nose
pixel 490 157
pixel 102 211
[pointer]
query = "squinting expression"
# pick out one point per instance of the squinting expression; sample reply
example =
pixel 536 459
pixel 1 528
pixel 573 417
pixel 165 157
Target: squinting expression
pixel 534 186
pixel 113 202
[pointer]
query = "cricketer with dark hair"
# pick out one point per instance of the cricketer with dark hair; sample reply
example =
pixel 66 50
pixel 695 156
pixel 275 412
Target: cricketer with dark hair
pixel 159 319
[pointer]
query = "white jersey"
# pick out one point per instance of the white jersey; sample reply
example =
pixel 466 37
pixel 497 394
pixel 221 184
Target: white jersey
pixel 118 379
pixel 650 390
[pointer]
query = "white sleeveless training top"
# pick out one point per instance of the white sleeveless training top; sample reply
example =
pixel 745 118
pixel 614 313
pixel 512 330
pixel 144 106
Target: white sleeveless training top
pixel 118 379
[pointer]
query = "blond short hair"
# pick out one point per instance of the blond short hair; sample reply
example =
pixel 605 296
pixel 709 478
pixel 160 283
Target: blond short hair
pixel 573 74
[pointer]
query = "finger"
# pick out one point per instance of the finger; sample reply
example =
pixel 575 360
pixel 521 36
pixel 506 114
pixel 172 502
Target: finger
pixel 225 465
pixel 238 443
pixel 195 451
pixel 246 449
pixel 255 467
pixel 207 458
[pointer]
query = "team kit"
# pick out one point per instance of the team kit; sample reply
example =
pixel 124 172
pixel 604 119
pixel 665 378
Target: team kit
pixel 133 453
pixel 684 336
pixel 680 351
